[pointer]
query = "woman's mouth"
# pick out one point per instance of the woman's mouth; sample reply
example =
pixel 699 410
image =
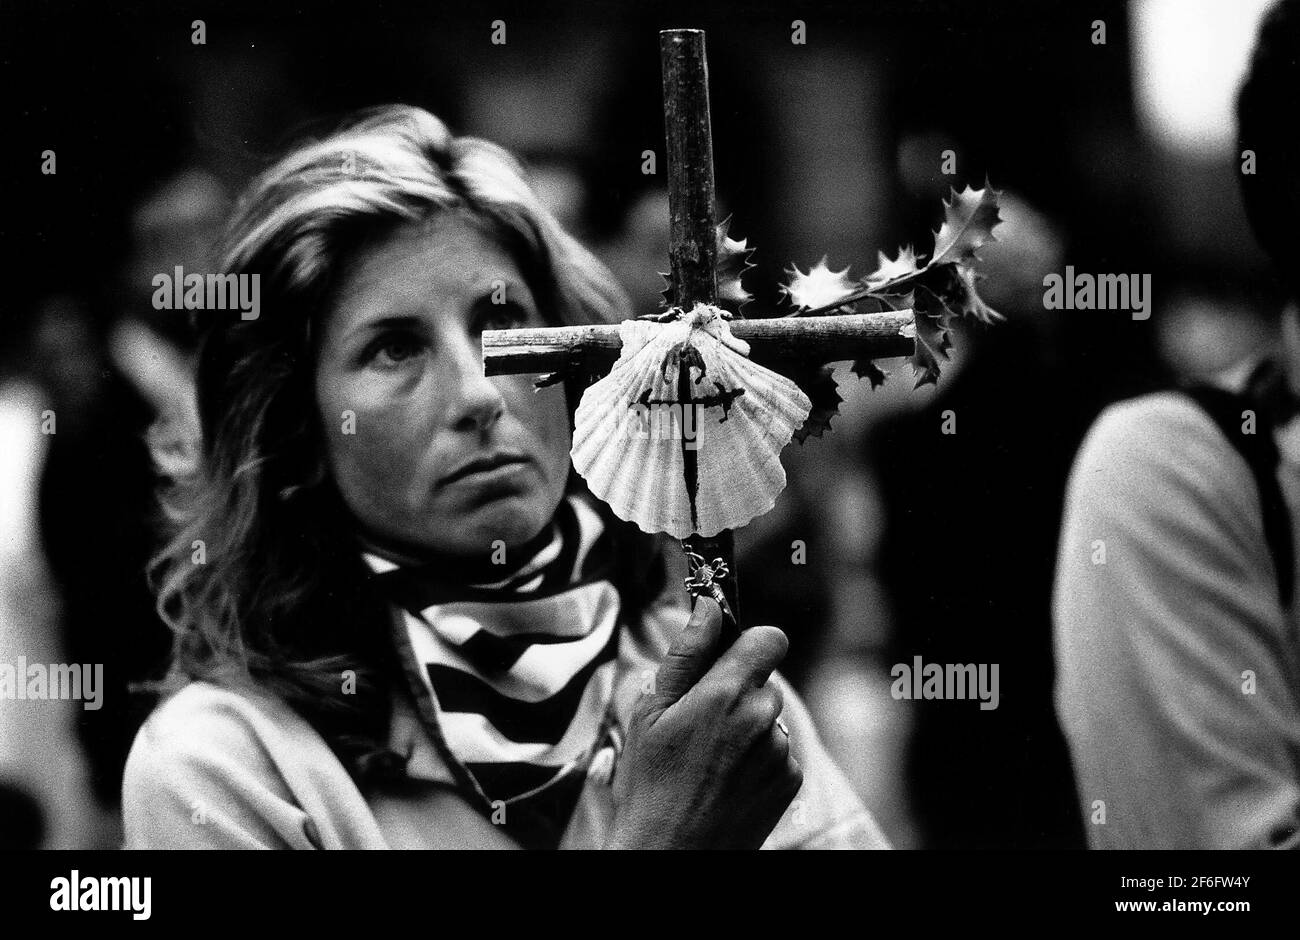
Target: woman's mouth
pixel 484 469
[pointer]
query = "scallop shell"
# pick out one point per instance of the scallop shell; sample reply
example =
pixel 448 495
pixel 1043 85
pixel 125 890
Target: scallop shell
pixel 632 457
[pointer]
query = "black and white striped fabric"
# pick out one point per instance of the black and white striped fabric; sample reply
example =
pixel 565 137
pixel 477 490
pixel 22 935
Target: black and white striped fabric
pixel 516 661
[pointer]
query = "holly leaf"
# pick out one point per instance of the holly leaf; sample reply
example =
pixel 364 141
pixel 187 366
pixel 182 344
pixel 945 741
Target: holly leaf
pixel 818 383
pixel 733 262
pixel 866 369
pixel 953 285
pixel 930 334
pixel 819 288
pixel 966 301
pixel 944 287
pixel 886 277
pixel 669 293
pixel 968 221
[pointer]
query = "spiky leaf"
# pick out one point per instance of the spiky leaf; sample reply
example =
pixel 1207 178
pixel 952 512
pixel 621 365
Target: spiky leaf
pixel 820 287
pixel 669 293
pixel 968 221
pixel 733 262
pixel 866 369
pixel 819 385
pixel 930 328
pixel 967 301
pixel 886 277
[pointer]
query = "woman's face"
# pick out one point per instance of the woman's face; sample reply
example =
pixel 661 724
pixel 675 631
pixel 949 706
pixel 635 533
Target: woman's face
pixel 438 459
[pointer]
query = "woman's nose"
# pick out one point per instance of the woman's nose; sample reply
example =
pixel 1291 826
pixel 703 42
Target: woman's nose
pixel 477 403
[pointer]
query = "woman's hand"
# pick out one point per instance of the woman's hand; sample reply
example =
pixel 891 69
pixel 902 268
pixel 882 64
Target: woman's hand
pixel 705 765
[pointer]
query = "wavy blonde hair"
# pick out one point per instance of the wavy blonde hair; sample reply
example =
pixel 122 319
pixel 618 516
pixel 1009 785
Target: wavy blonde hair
pixel 280 600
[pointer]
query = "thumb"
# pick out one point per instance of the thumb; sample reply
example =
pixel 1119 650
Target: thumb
pixel 691 654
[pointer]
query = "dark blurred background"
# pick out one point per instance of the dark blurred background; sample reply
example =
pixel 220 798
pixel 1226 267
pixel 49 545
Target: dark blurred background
pixel 1112 157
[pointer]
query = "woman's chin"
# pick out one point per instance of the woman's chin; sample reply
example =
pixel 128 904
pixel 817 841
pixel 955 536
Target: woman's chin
pixel 513 521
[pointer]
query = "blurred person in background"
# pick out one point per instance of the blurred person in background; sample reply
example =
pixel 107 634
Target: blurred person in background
pixel 80 519
pixel 46 797
pixel 81 479
pixel 1177 635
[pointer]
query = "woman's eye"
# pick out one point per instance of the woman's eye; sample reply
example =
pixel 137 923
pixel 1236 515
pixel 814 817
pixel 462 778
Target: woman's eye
pixel 393 350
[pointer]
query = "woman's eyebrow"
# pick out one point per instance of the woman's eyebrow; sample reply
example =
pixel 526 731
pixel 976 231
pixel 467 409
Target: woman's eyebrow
pixel 392 321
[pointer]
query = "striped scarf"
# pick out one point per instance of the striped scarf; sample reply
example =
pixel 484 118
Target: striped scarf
pixel 512 665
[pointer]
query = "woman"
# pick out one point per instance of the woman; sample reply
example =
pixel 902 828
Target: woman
pixel 406 623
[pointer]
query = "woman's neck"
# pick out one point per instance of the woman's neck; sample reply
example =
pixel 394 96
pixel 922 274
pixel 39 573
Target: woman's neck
pixel 406 555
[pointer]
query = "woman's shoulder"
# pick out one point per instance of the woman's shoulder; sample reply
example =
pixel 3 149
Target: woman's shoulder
pixel 202 713
pixel 206 769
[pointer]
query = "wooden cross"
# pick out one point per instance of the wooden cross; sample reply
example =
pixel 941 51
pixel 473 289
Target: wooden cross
pixel 693 240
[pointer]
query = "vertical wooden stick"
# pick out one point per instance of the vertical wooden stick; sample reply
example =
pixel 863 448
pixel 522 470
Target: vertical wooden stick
pixel 693 245
pixel 693 239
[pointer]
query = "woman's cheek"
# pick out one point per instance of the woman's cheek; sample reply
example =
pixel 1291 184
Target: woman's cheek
pixel 545 413
pixel 380 435
pixel 398 427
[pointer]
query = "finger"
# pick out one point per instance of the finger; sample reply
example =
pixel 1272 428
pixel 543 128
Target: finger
pixel 758 713
pixel 751 660
pixel 691 653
